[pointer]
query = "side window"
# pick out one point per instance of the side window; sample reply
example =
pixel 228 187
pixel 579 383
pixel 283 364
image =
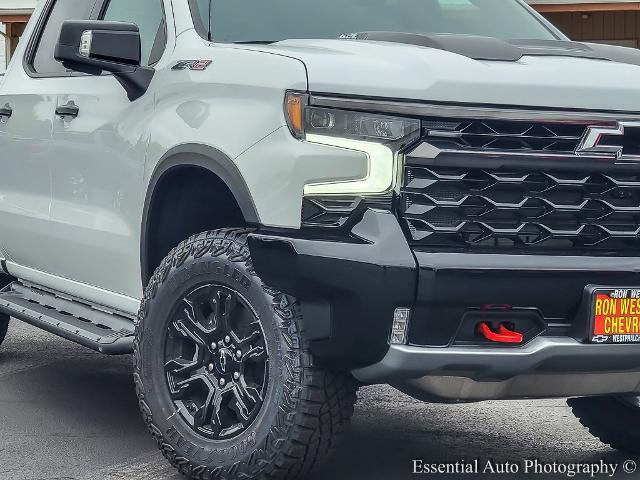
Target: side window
pixel 43 61
pixel 149 16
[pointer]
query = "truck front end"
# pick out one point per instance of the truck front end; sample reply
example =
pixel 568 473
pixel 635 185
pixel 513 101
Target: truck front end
pixel 489 248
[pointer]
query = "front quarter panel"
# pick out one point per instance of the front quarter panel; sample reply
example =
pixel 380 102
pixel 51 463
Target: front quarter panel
pixel 229 106
pixel 235 107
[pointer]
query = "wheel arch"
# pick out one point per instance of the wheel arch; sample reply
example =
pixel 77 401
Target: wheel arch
pixel 195 156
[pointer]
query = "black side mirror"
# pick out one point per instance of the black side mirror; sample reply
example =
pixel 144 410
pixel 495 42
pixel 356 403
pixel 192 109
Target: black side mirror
pixel 94 47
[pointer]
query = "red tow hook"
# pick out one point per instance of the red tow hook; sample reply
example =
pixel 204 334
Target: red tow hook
pixel 504 335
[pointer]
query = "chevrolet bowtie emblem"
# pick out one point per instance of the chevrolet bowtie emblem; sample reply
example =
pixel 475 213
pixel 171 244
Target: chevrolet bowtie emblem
pixel 606 141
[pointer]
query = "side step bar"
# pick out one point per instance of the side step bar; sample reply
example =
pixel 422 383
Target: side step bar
pixel 103 332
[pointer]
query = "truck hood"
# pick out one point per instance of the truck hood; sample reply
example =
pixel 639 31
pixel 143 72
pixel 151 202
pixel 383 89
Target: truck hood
pixel 559 76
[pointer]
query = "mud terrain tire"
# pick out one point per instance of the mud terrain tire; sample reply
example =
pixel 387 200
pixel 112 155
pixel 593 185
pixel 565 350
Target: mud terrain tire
pixel 612 420
pixel 305 408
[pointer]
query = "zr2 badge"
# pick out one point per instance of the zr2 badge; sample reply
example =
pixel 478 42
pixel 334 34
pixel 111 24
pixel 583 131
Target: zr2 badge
pixel 197 65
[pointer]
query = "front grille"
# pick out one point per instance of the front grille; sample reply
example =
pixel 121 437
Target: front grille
pixel 519 209
pixel 504 136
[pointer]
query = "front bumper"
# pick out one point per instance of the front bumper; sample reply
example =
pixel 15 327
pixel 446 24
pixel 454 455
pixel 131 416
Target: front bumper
pixel 546 367
pixel 349 285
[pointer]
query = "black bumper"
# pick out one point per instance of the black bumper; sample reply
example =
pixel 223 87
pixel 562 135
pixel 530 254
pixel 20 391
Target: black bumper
pixel 349 286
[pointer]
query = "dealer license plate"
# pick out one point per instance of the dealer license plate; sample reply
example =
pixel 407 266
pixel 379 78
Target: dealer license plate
pixel 615 316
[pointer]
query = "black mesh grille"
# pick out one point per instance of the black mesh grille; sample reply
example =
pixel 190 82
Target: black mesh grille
pixel 510 210
pixel 495 135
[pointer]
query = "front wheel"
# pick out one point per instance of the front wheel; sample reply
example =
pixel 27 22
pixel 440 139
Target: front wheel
pixel 614 420
pixel 225 379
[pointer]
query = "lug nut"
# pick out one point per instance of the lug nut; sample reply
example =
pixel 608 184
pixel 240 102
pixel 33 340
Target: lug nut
pixel 210 367
pixel 222 382
pixel 236 375
pixel 227 339
pixel 238 354
pixel 213 345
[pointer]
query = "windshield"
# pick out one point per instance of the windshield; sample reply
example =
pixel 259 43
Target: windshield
pixel 275 20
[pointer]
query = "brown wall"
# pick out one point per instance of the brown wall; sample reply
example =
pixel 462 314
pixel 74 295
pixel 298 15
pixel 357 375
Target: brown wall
pixel 598 25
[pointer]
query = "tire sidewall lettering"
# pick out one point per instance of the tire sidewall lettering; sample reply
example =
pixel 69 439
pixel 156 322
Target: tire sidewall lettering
pixel 209 456
pixel 195 269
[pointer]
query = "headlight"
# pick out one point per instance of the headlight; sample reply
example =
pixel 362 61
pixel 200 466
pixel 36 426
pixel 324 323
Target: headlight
pixel 307 120
pixel 379 137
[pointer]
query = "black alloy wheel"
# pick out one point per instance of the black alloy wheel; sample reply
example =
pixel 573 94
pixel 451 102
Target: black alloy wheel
pixel 216 361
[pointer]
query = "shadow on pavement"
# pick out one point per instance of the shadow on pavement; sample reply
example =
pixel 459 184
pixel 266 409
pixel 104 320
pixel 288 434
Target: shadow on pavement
pixel 72 414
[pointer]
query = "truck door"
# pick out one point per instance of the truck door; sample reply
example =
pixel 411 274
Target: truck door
pixel 27 104
pixel 98 160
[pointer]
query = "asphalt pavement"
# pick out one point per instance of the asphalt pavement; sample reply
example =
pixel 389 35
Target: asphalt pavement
pixel 68 413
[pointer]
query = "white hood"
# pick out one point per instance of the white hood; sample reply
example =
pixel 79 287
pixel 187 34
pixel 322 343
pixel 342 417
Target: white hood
pixel 401 71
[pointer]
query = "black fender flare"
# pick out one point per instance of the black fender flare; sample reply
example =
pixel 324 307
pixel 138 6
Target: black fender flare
pixel 209 158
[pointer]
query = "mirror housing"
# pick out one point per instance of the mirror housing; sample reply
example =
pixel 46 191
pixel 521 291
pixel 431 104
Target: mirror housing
pixel 93 47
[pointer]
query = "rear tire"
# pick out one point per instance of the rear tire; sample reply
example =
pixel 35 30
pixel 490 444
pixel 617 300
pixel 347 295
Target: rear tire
pixel 615 421
pixel 4 325
pixel 4 319
pixel 211 414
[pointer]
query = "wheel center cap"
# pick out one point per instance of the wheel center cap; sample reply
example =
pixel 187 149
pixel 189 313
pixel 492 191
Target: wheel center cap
pixel 224 361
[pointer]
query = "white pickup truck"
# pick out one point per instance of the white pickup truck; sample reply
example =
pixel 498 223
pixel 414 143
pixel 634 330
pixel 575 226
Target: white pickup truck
pixel 271 203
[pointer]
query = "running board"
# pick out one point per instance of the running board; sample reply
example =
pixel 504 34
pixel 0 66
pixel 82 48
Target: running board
pixel 103 332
